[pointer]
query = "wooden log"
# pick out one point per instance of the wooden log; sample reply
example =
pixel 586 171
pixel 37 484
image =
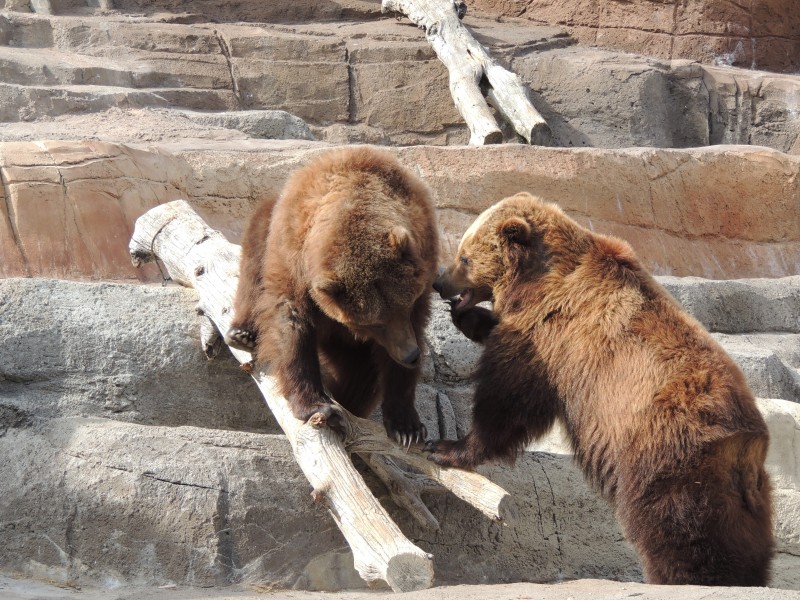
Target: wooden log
pixel 468 62
pixel 200 257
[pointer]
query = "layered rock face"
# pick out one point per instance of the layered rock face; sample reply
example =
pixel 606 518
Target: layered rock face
pixel 131 459
pixel 69 207
pixel 757 35
pixel 128 77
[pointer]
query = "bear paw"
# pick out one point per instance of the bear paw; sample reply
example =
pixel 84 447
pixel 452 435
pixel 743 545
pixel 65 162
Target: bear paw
pixel 328 415
pixel 448 453
pixel 405 429
pixel 476 323
pixel 241 339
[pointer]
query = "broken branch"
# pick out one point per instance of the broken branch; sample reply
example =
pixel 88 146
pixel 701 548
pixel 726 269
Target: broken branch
pixel 468 62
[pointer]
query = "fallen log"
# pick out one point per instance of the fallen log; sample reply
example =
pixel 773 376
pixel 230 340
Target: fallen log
pixel 468 63
pixel 197 256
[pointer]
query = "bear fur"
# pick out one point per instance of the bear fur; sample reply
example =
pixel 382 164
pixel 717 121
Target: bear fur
pixel 660 418
pixel 334 290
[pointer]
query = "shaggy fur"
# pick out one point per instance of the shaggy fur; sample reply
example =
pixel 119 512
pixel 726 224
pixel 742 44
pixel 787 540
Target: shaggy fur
pixel 660 418
pixel 334 287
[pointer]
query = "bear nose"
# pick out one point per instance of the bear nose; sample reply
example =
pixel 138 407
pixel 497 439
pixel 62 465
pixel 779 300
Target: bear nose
pixel 412 358
pixel 437 284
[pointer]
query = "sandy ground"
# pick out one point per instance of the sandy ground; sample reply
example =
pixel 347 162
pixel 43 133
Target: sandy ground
pixel 584 589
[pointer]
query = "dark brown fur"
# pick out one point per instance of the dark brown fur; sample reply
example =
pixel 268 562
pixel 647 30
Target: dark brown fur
pixel 660 418
pixel 334 287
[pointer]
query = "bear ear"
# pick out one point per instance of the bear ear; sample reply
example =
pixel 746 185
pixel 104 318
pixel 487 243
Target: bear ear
pixel 328 286
pixel 400 242
pixel 515 230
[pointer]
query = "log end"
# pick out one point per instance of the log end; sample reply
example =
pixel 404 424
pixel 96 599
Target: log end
pixel 495 137
pixel 541 135
pixel 409 572
pixel 507 512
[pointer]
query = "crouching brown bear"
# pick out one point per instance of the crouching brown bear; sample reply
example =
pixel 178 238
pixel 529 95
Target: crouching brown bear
pixel 660 418
pixel 334 288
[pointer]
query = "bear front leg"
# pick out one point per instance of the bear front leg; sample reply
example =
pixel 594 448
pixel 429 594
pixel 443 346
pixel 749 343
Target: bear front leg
pixel 513 405
pixel 400 417
pixel 295 363
pixel 476 323
pixel 243 333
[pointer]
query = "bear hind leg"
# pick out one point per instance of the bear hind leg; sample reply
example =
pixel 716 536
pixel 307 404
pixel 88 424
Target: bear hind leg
pixel 351 376
pixel 712 527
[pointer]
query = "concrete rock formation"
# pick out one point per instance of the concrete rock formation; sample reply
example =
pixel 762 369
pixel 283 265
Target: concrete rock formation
pixel 128 77
pixel 686 212
pixel 759 35
pixel 130 459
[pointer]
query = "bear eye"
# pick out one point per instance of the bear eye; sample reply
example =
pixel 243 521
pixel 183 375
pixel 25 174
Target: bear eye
pixel 464 261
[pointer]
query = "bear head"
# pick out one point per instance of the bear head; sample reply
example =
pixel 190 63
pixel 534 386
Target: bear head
pixel 375 281
pixel 511 238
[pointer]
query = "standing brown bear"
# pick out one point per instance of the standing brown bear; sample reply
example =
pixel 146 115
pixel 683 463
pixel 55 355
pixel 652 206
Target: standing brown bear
pixel 334 290
pixel 660 418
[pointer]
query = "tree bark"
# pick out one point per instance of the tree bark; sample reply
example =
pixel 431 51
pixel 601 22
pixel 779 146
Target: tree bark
pixel 468 62
pixel 200 257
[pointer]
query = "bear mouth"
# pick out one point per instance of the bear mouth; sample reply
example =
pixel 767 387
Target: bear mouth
pixel 463 301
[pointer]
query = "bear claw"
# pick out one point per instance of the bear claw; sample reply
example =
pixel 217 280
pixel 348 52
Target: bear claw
pixel 241 339
pixel 416 436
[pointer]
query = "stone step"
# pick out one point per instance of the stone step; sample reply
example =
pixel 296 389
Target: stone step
pixel 138 125
pixel 130 353
pixel 46 67
pixel 741 306
pixel 212 10
pixel 664 202
pixel 24 103
pixel 92 500
pixel 383 76
pixel 100 502
pixel 770 362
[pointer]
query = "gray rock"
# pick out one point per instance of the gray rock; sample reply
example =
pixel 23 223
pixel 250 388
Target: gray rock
pixel 129 353
pixel 454 356
pixel 118 503
pixel 740 306
pixel 266 124
pixel 769 363
pixel 162 491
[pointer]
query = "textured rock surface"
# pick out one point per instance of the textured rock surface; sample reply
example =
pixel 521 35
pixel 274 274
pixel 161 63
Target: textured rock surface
pixel 584 589
pixel 122 464
pixel 762 35
pixel 355 80
pixel 69 207
pixel 131 459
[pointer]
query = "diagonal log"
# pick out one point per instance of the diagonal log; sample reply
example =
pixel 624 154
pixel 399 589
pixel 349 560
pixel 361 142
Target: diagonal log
pixel 200 257
pixel 468 62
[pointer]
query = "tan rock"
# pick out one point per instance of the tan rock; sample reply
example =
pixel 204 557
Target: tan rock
pixel 763 35
pixel 686 212
pixel 72 206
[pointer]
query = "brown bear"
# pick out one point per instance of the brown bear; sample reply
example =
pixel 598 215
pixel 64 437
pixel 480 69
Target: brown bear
pixel 334 291
pixel 660 418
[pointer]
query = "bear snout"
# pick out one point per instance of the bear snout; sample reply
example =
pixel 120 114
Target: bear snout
pixel 437 284
pixel 444 284
pixel 412 358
